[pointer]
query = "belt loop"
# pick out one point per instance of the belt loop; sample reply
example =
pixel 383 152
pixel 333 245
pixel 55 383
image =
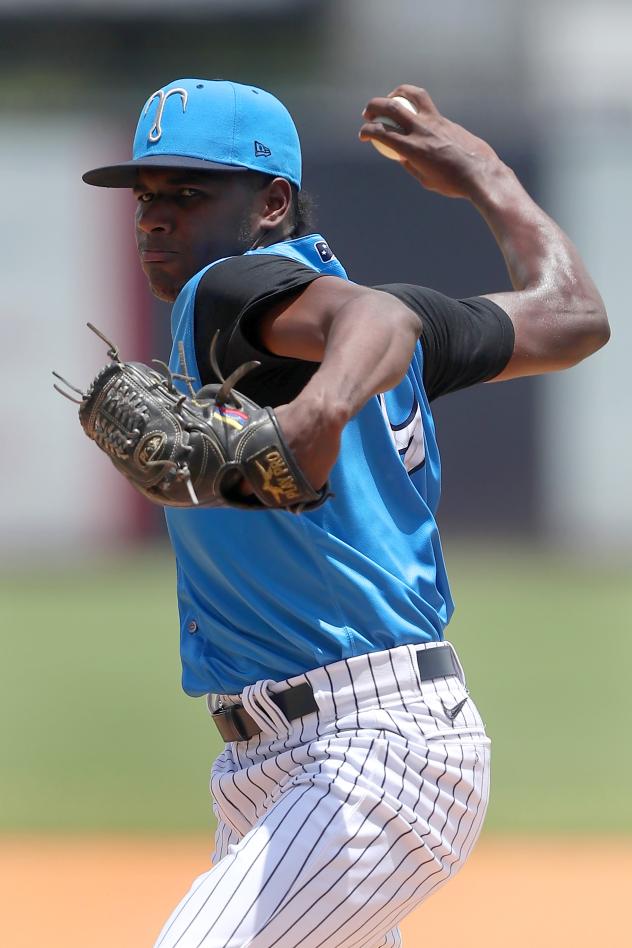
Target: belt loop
pixel 258 703
pixel 458 665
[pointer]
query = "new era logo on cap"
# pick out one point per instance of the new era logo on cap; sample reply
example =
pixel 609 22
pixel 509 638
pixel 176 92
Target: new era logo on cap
pixel 261 150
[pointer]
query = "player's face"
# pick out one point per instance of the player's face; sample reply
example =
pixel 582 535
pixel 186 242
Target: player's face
pixel 186 220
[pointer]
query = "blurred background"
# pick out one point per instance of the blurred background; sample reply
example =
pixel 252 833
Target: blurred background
pixel 537 509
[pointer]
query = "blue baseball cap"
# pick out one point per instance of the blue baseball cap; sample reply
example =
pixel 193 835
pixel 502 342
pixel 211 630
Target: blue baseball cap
pixel 209 125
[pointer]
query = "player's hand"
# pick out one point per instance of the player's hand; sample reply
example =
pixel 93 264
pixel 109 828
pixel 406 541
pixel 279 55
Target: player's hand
pixel 445 157
pixel 313 435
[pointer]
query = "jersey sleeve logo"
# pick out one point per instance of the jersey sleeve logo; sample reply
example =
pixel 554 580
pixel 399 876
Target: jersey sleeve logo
pixel 407 436
pixel 324 251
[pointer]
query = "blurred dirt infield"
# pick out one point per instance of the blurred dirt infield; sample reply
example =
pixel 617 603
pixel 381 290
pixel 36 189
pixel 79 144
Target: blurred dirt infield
pixel 116 892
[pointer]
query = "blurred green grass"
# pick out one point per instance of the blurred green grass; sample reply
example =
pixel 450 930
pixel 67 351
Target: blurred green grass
pixel 96 734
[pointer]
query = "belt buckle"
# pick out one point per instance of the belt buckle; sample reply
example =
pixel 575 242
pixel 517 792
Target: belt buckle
pixel 231 727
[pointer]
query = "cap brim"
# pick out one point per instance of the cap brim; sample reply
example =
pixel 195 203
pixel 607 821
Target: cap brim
pixel 125 175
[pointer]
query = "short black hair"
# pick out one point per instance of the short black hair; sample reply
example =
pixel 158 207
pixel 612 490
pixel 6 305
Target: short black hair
pixel 301 218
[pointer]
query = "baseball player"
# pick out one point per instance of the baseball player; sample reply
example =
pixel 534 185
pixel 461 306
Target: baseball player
pixel 355 776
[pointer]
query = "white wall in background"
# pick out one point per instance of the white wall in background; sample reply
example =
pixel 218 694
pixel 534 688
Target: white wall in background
pixel 587 419
pixel 581 79
pixel 63 262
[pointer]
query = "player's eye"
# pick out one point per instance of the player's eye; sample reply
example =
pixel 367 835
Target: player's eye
pixel 189 192
pixel 143 197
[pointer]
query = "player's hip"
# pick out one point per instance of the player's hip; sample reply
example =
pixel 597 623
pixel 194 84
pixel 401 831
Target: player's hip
pixel 414 693
pixel 387 738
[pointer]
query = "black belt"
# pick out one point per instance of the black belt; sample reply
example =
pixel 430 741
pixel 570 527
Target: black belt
pixel 235 724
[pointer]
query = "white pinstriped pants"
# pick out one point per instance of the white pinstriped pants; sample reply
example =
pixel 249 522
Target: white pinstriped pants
pixel 333 827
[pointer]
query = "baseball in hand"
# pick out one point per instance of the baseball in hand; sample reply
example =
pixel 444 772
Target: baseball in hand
pixel 386 150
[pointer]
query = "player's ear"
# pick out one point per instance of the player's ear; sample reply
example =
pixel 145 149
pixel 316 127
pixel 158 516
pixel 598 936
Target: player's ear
pixel 276 203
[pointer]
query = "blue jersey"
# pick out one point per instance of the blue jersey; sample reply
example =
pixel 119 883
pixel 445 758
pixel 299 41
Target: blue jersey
pixel 268 594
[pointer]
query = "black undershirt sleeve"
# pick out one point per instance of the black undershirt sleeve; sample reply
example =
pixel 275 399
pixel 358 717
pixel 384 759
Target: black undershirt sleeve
pixel 464 341
pixel 229 298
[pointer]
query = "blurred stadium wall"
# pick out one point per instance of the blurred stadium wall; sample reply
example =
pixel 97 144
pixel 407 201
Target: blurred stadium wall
pixel 548 83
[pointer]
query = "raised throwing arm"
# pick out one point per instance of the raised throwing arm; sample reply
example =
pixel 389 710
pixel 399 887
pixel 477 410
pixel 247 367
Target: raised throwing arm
pixel 557 312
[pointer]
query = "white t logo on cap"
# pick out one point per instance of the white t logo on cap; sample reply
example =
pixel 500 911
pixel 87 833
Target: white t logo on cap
pixel 155 132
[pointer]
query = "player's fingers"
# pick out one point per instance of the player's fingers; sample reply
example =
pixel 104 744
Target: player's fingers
pixel 419 97
pixel 382 133
pixel 391 109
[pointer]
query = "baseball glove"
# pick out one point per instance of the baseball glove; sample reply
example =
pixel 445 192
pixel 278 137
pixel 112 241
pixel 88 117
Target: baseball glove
pixel 183 450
